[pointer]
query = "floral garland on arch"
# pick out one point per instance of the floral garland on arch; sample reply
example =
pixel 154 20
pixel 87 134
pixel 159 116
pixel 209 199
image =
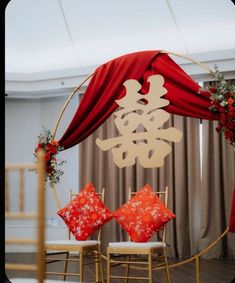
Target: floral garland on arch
pixel 51 148
pixel 223 104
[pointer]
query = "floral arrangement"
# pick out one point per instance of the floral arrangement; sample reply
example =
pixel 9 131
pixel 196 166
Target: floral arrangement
pixel 223 104
pixel 51 148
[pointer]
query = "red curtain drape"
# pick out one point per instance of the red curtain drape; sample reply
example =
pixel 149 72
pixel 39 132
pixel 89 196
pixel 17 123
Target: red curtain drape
pixel 106 86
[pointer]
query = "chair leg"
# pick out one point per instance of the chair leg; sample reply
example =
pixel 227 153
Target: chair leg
pixel 150 267
pixel 108 268
pixel 167 268
pixel 81 266
pixel 101 266
pixel 127 269
pixel 96 266
pixel 66 265
pixel 45 264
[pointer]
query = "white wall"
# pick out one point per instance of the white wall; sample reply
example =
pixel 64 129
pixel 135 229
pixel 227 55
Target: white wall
pixel 24 119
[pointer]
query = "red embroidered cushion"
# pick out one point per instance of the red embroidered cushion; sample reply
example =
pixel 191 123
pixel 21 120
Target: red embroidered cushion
pixel 85 213
pixel 143 215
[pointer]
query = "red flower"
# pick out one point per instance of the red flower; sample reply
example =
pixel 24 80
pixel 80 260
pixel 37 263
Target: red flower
pixel 214 102
pixel 223 119
pixel 204 92
pixel 218 106
pixel 228 134
pixel 51 148
pixel 218 129
pixel 39 146
pixel 49 169
pixel 231 125
pixel 213 89
pixel 228 94
pixel 48 156
pixel 230 101
pixel 231 114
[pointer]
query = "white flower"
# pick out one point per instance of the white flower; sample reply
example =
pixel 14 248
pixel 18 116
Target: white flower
pixel 223 103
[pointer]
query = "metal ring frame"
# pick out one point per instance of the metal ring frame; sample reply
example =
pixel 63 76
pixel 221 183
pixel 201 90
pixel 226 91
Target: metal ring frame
pixel 205 250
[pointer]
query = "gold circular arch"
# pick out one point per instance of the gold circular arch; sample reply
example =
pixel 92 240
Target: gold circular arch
pixel 211 245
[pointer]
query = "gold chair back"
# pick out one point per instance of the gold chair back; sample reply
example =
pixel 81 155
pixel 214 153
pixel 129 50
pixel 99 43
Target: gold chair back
pixel 21 214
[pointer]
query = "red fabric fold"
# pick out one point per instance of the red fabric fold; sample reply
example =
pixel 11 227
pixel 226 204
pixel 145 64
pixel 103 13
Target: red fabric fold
pixel 106 86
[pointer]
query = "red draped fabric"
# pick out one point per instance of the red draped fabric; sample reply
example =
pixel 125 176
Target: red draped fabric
pixel 232 214
pixel 106 86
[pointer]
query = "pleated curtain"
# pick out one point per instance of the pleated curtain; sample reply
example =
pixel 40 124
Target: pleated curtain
pixel 181 173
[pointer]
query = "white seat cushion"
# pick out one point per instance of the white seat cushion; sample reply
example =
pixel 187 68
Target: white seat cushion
pixel 73 242
pixel 32 280
pixel 137 245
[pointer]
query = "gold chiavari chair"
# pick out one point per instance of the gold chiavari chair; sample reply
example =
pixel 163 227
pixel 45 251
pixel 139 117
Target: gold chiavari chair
pixel 76 251
pixel 21 214
pixel 139 255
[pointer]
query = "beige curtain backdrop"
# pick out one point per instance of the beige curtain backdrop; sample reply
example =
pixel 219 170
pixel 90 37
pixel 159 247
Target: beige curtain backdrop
pixel 181 173
pixel 218 170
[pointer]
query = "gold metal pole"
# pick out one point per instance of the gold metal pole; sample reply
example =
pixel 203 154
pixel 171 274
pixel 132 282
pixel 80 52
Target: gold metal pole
pixel 150 267
pixel 41 216
pixel 81 266
pixel 108 268
pixel 66 104
pixel 56 196
pixel 189 59
pixel 54 191
pixel 197 270
pixel 203 251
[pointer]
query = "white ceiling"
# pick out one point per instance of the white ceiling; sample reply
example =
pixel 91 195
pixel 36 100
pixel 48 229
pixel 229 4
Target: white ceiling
pixel 49 35
pixel 52 45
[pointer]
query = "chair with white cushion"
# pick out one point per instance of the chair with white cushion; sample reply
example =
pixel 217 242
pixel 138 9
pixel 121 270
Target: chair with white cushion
pixel 145 256
pixel 85 252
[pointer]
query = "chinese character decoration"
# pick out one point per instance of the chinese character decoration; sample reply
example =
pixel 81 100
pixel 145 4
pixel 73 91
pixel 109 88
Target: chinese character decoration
pixel 150 146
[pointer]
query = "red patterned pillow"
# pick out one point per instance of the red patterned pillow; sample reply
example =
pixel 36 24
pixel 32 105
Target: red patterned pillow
pixel 143 215
pixel 85 213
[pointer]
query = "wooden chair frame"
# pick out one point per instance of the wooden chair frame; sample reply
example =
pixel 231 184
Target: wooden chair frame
pixel 136 256
pixel 89 250
pixel 38 215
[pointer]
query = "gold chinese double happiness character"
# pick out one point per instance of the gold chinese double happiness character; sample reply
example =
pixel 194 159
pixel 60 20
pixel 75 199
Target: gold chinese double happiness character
pixel 150 147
